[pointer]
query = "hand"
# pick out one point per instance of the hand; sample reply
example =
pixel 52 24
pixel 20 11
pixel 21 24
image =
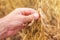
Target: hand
pixel 17 19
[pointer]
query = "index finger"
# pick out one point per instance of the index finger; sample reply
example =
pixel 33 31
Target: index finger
pixel 26 11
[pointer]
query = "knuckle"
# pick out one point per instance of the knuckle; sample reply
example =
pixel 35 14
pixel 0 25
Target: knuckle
pixel 17 8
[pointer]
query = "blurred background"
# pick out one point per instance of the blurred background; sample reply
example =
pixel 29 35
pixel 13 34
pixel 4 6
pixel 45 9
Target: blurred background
pixel 7 6
pixel 45 28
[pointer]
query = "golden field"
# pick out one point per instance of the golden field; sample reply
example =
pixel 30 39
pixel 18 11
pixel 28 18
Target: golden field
pixel 45 28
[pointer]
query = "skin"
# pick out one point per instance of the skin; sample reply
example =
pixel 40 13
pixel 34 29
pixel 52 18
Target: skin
pixel 16 20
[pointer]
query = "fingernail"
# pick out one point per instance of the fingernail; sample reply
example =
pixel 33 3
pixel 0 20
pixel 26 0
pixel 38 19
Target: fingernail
pixel 36 16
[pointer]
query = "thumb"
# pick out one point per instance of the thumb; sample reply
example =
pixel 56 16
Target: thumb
pixel 29 18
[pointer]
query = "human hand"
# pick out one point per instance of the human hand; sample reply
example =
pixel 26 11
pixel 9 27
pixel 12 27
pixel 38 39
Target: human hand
pixel 17 19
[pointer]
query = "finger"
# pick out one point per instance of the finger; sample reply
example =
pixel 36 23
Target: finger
pixel 28 11
pixel 25 11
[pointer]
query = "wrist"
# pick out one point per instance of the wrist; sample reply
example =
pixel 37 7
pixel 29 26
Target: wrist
pixel 3 27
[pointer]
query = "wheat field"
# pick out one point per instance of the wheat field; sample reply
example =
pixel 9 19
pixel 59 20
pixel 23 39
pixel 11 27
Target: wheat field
pixel 47 27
